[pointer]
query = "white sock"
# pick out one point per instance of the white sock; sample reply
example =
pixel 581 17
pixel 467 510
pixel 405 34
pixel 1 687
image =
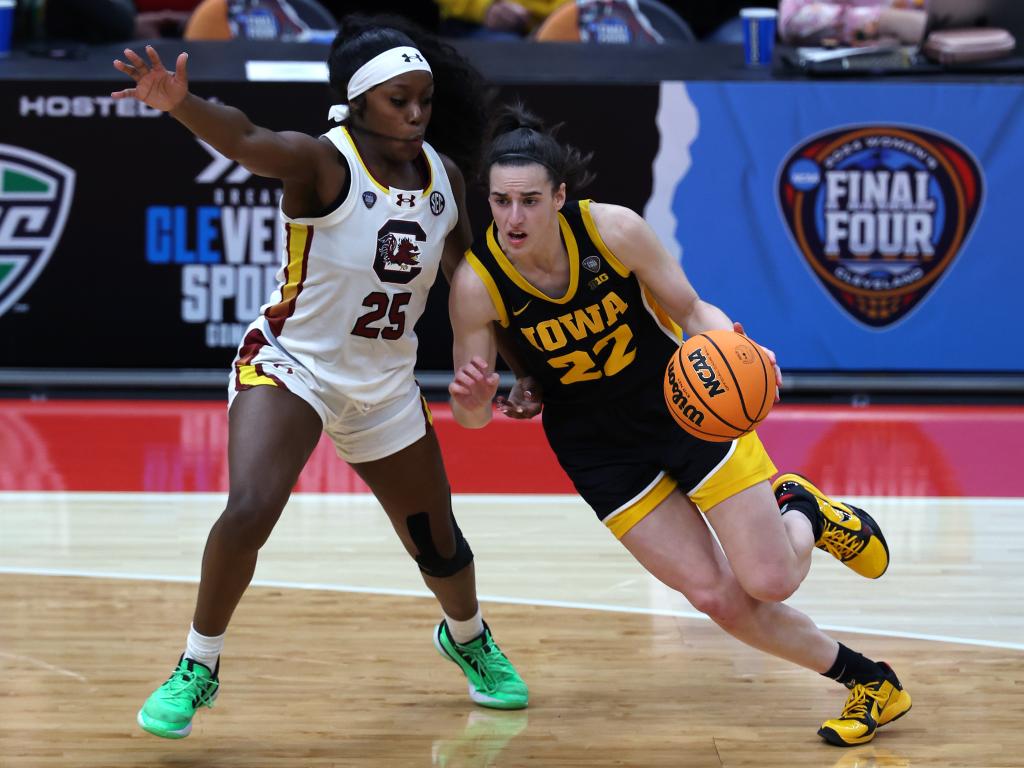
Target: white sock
pixel 464 631
pixel 205 650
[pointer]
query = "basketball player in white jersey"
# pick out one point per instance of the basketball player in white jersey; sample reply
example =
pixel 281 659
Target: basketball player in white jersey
pixel 370 212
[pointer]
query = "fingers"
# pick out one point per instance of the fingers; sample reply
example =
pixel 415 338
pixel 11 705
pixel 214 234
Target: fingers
pixel 509 409
pixel 738 327
pixel 127 93
pixel 180 70
pixel 135 60
pixel 154 57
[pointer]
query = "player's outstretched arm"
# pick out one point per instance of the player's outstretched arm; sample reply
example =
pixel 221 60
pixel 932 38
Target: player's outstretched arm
pixel 286 155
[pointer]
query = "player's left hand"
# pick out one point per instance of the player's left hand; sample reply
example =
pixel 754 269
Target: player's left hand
pixel 738 327
pixel 474 385
pixel 524 401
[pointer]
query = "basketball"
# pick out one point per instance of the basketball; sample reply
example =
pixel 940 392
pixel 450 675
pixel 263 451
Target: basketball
pixel 719 385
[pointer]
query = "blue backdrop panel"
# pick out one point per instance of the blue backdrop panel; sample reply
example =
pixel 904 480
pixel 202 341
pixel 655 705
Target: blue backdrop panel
pixel 876 177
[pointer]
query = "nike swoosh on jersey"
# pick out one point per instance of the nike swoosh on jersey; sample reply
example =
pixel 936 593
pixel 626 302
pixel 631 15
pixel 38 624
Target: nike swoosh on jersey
pixel 518 312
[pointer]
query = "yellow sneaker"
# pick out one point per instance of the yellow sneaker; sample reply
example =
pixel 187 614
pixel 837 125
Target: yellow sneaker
pixel 848 533
pixel 868 706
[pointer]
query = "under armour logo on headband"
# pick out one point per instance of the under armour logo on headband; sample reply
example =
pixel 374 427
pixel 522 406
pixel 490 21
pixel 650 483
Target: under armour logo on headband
pixel 414 57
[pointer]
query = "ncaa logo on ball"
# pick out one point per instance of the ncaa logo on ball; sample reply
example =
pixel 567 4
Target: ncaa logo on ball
pixel 879 213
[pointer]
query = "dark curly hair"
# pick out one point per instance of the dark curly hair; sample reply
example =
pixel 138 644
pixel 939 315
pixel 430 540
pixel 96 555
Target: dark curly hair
pixel 461 98
pixel 518 137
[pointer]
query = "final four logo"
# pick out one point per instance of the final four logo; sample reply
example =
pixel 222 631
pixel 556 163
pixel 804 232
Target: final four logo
pixel 35 197
pixel 880 213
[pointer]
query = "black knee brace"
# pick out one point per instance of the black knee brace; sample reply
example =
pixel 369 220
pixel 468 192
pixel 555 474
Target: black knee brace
pixel 429 559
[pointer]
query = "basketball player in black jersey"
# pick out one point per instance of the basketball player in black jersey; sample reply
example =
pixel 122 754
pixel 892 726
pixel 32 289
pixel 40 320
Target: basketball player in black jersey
pixel 596 306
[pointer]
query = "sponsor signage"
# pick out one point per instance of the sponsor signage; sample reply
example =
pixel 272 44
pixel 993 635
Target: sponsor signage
pixel 879 213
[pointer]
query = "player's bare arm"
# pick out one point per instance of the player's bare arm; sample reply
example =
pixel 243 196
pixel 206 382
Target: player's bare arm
pixel 288 155
pixel 473 316
pixel 636 245
pixel 633 241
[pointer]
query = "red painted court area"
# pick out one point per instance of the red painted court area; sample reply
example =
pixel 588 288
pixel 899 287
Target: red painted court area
pixel 170 446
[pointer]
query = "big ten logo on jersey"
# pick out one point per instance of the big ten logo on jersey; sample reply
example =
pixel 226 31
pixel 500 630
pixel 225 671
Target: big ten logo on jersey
pixel 602 340
pixel 397 257
pixel 879 213
pixel 225 253
pixel 35 199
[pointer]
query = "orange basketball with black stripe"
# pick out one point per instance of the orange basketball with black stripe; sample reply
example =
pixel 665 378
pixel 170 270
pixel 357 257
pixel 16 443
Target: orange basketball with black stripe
pixel 719 385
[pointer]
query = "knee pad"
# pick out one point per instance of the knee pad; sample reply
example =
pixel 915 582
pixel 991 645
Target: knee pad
pixel 429 559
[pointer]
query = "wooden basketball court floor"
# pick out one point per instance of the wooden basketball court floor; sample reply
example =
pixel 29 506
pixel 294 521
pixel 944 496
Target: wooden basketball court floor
pixel 105 506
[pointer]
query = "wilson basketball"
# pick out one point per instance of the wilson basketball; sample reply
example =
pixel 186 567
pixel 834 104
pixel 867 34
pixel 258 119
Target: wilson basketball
pixel 719 385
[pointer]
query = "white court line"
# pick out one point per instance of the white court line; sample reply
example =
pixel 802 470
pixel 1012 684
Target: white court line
pixel 498 499
pixel 500 599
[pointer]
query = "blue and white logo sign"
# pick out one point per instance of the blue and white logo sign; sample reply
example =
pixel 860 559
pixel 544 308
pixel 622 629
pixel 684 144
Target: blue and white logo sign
pixel 35 198
pixel 879 213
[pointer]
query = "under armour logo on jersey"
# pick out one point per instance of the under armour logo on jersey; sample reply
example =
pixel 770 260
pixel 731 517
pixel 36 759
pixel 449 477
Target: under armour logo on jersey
pixel 401 199
pixel 411 57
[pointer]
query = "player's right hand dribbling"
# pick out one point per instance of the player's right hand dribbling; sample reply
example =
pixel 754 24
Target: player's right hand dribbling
pixel 154 85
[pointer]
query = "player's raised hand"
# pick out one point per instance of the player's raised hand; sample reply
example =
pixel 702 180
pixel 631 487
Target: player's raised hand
pixel 474 385
pixel 154 85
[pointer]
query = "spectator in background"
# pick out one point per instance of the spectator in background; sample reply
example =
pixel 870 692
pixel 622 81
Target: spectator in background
pixel 162 18
pixel 851 22
pixel 715 20
pixel 422 13
pixel 493 19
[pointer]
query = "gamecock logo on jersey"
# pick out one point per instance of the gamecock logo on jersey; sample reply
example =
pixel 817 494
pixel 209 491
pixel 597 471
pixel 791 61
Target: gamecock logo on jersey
pixel 35 197
pixel 398 251
pixel 879 213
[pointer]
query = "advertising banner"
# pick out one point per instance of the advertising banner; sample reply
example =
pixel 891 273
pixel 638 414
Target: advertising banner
pixel 850 226
pixel 127 243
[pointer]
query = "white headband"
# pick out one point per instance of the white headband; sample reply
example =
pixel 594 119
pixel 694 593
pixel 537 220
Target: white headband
pixel 382 67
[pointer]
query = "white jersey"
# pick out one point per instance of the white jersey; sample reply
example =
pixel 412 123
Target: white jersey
pixel 354 283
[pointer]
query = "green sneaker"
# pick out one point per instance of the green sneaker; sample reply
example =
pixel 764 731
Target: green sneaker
pixel 169 709
pixel 493 681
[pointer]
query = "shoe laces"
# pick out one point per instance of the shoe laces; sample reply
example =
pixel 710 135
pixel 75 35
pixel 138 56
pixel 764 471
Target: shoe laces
pixel 488 660
pixel 184 680
pixel 841 543
pixel 860 698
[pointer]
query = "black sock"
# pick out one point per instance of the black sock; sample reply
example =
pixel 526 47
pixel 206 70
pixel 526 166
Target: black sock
pixel 851 668
pixel 808 506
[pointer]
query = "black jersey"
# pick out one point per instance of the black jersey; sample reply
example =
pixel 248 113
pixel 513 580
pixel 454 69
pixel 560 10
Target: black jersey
pixel 604 337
